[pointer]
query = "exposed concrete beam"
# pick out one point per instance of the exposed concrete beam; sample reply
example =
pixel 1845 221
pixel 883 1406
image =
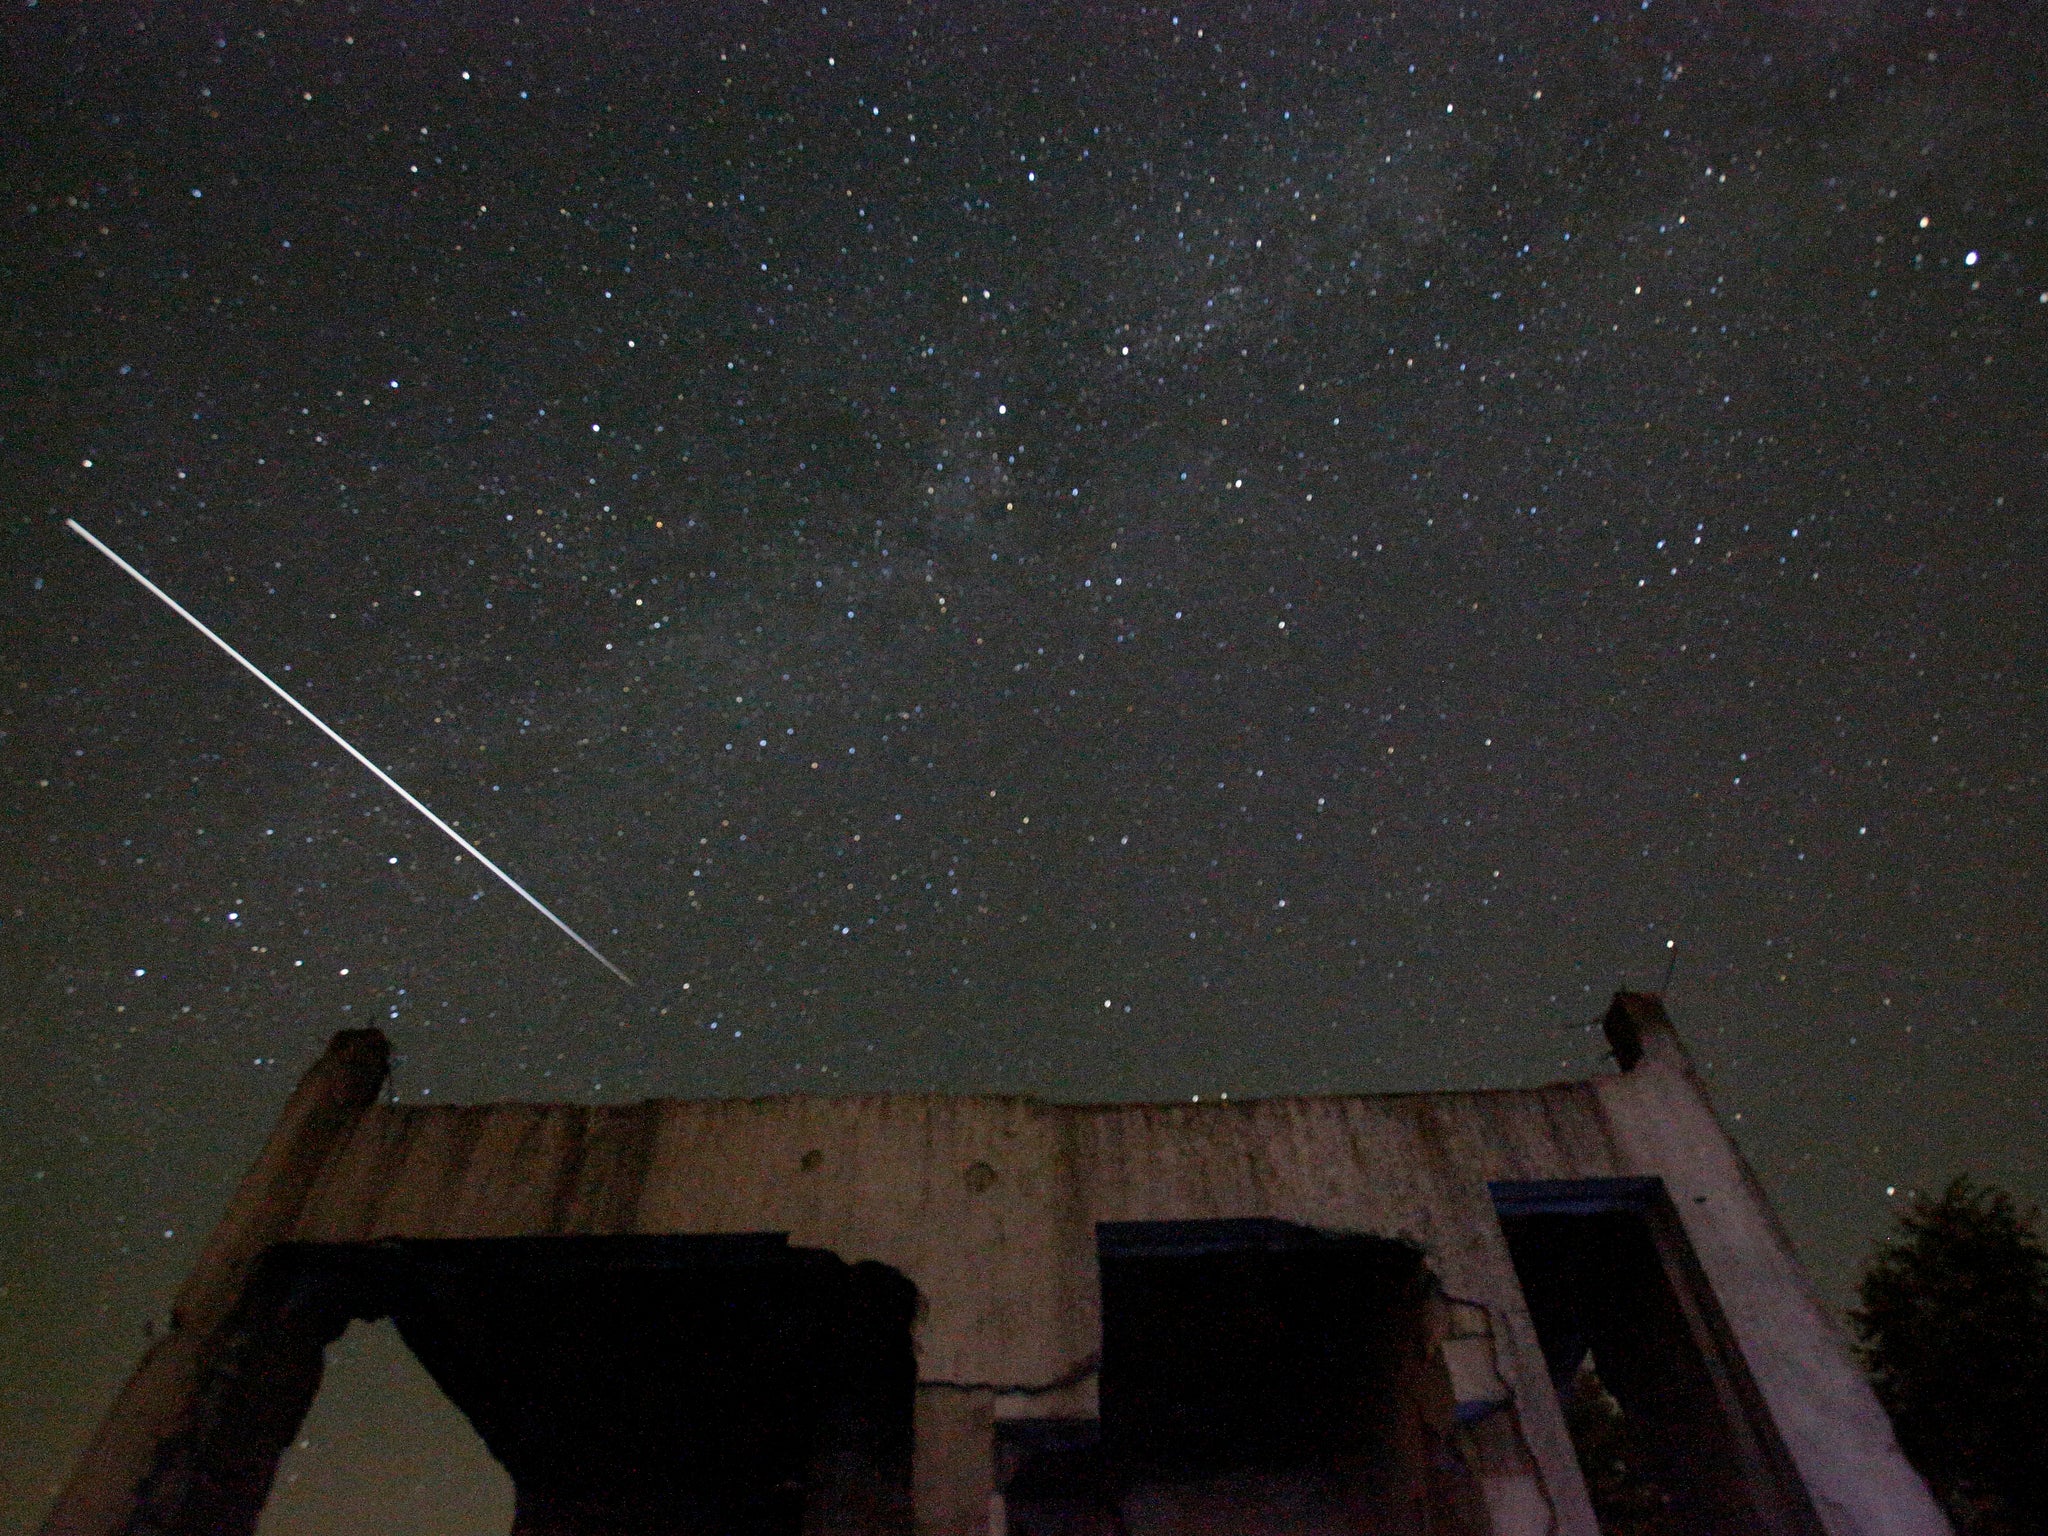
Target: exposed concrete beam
pixel 132 1469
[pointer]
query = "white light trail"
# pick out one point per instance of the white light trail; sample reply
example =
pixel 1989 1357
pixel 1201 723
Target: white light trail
pixel 333 735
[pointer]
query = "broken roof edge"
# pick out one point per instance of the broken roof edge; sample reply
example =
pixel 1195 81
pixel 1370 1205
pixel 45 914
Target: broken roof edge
pixel 1022 1100
pixel 1636 1027
pixel 1638 1030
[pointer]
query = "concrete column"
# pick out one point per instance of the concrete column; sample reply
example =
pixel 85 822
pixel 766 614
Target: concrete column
pixel 1492 1444
pixel 135 1463
pixel 1829 1420
pixel 953 1461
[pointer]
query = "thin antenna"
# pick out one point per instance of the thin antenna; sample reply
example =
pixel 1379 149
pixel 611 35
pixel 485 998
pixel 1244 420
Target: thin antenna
pixel 333 735
pixel 1672 945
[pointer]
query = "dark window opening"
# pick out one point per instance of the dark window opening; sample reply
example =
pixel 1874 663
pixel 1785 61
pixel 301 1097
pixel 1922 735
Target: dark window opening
pixel 654 1385
pixel 1054 1479
pixel 1671 1433
pixel 1256 1376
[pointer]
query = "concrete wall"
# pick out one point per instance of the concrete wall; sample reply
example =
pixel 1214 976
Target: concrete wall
pixel 989 1206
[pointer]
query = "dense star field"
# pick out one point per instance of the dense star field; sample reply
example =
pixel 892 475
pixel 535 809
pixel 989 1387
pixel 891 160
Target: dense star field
pixel 1091 552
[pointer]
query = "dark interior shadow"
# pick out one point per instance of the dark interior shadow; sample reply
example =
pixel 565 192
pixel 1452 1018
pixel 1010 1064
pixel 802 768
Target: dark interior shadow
pixel 1256 1377
pixel 648 1384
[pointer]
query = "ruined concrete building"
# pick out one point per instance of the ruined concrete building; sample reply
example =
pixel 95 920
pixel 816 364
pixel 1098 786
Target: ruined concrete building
pixel 1436 1312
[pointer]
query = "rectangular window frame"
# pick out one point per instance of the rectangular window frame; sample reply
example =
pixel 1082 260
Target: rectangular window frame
pixel 1765 1472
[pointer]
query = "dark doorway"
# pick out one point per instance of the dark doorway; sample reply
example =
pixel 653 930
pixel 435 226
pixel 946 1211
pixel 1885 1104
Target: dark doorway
pixel 656 1385
pixel 1256 1376
pixel 1672 1435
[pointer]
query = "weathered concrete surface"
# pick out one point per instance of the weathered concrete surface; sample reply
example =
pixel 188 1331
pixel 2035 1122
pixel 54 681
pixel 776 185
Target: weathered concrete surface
pixel 951 1473
pixel 989 1206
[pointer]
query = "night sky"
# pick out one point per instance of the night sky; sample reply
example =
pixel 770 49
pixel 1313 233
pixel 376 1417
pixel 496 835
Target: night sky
pixel 1097 553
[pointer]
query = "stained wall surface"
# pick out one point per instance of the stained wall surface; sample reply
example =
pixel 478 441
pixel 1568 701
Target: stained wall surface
pixel 989 1206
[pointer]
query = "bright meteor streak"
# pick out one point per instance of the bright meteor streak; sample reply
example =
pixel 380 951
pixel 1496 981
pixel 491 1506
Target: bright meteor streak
pixel 389 783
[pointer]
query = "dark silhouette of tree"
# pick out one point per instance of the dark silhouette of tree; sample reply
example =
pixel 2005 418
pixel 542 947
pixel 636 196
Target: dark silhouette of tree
pixel 1953 1329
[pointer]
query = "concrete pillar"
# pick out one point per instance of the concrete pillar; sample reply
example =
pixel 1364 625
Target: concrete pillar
pixel 1492 1446
pixel 136 1471
pixel 953 1461
pixel 1833 1429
